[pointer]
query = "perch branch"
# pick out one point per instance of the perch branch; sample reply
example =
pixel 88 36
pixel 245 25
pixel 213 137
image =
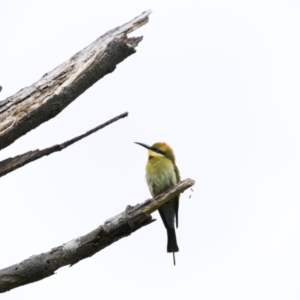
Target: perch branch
pixel 47 97
pixel 10 164
pixel 40 266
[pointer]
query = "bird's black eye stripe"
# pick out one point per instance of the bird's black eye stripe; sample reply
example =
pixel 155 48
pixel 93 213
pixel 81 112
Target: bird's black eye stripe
pixel 158 151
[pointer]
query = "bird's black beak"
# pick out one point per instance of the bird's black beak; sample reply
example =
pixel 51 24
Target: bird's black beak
pixel 144 145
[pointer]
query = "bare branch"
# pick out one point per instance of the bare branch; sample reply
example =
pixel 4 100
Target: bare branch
pixel 47 97
pixel 10 164
pixel 40 266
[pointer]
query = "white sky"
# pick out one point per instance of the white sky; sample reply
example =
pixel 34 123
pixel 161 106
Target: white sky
pixel 220 82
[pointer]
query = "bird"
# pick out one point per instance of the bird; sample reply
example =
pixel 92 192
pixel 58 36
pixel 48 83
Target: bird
pixel 161 174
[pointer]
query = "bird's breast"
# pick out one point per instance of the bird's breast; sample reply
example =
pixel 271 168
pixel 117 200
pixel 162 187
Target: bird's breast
pixel 160 175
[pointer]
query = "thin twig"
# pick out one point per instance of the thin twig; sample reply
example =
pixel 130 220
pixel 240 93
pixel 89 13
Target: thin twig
pixel 10 164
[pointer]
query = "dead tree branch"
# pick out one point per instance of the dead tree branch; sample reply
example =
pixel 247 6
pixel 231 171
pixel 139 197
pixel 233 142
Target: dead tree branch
pixel 47 97
pixel 10 164
pixel 40 266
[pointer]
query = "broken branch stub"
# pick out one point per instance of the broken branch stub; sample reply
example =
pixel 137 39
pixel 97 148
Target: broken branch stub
pixel 47 97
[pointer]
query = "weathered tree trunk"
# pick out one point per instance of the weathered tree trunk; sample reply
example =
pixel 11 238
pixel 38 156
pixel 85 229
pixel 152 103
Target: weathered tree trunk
pixel 47 97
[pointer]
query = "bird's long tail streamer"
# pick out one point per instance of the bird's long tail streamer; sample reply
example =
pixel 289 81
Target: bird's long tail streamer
pixel 174 259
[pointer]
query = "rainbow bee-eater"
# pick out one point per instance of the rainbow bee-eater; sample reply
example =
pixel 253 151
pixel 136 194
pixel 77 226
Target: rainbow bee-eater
pixel 161 174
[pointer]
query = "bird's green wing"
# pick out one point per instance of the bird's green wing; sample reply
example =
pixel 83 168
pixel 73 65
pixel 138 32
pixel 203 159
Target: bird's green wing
pixel 176 201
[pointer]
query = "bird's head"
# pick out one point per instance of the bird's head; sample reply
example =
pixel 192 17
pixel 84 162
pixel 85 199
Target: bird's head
pixel 159 149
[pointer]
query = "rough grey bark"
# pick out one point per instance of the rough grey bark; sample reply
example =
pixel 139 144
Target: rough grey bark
pixel 40 266
pixel 47 97
pixel 42 101
pixel 10 164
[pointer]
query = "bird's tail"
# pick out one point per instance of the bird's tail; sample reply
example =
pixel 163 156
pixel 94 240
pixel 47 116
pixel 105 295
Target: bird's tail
pixel 172 242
